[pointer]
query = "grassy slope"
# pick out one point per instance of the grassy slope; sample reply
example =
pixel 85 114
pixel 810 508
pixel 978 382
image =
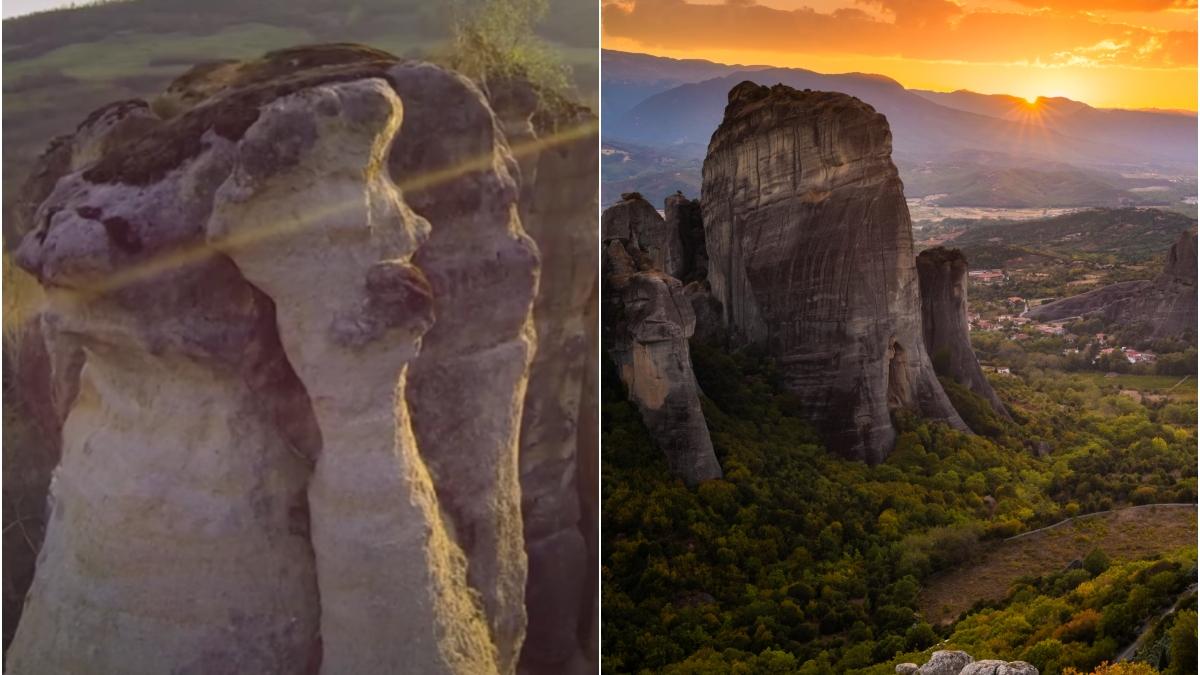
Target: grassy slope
pixel 1120 534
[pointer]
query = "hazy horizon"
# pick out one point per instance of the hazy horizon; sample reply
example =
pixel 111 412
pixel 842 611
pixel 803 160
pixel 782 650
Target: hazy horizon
pixel 1181 111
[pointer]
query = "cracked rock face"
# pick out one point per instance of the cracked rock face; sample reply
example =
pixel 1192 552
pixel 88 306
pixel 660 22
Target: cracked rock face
pixel 1165 306
pixel 943 277
pixel 294 446
pixel 810 255
pixel 649 321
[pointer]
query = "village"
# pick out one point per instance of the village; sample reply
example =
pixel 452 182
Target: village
pixel 1008 318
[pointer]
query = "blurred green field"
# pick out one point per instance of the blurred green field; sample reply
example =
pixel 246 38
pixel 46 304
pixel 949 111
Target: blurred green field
pixel 1177 388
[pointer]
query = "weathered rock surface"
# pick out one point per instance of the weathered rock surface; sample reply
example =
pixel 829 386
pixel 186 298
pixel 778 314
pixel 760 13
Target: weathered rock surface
pixel 648 322
pixel 685 223
pixel 810 255
pixel 947 662
pixel 635 220
pixel 1164 306
pixel 996 667
pixel 294 446
pixel 943 278
pixel 559 501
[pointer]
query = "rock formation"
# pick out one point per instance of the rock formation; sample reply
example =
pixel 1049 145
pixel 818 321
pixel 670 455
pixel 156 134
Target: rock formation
pixel 303 294
pixel 685 224
pixel 647 323
pixel 1164 306
pixel 635 220
pixel 943 278
pixel 559 504
pixel 947 662
pixel 810 255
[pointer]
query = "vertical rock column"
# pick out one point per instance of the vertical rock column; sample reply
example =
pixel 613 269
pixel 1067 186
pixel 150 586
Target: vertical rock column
pixel 560 214
pixel 810 255
pixel 943 278
pixel 313 219
pixel 178 540
pixel 467 388
pixel 648 322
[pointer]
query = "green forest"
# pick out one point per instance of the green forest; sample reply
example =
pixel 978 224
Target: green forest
pixel 800 562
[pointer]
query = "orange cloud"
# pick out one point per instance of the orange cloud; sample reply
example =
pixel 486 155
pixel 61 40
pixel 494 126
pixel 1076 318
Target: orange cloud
pixel 1114 5
pixel 918 29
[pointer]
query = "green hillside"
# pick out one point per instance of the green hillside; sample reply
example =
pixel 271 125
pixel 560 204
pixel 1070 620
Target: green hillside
pixel 61 65
pixel 1095 235
pixel 800 562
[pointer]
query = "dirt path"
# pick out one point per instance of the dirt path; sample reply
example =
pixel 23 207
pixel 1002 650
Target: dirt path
pixel 1124 534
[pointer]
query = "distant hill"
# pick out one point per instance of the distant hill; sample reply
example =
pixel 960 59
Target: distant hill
pixel 629 79
pixel 62 64
pixel 1158 132
pixel 921 129
pixel 1103 235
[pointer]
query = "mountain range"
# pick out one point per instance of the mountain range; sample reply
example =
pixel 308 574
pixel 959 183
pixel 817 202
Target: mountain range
pixel 674 105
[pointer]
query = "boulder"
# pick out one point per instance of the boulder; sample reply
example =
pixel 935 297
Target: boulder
pixel 996 667
pixel 945 662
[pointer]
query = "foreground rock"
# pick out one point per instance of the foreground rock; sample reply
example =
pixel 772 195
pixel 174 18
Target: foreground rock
pixel 286 455
pixel 1164 307
pixel 943 278
pixel 810 255
pixel 648 322
pixel 946 662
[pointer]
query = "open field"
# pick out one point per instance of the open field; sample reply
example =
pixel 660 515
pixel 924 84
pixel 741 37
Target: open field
pixel 1126 534
pixel 1151 386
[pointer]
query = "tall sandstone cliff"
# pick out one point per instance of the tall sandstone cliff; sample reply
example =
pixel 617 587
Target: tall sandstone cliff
pixel 943 278
pixel 810 255
pixel 1164 307
pixel 303 303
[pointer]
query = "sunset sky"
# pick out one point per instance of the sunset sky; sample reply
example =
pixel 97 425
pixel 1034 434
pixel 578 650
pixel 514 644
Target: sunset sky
pixel 1108 53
